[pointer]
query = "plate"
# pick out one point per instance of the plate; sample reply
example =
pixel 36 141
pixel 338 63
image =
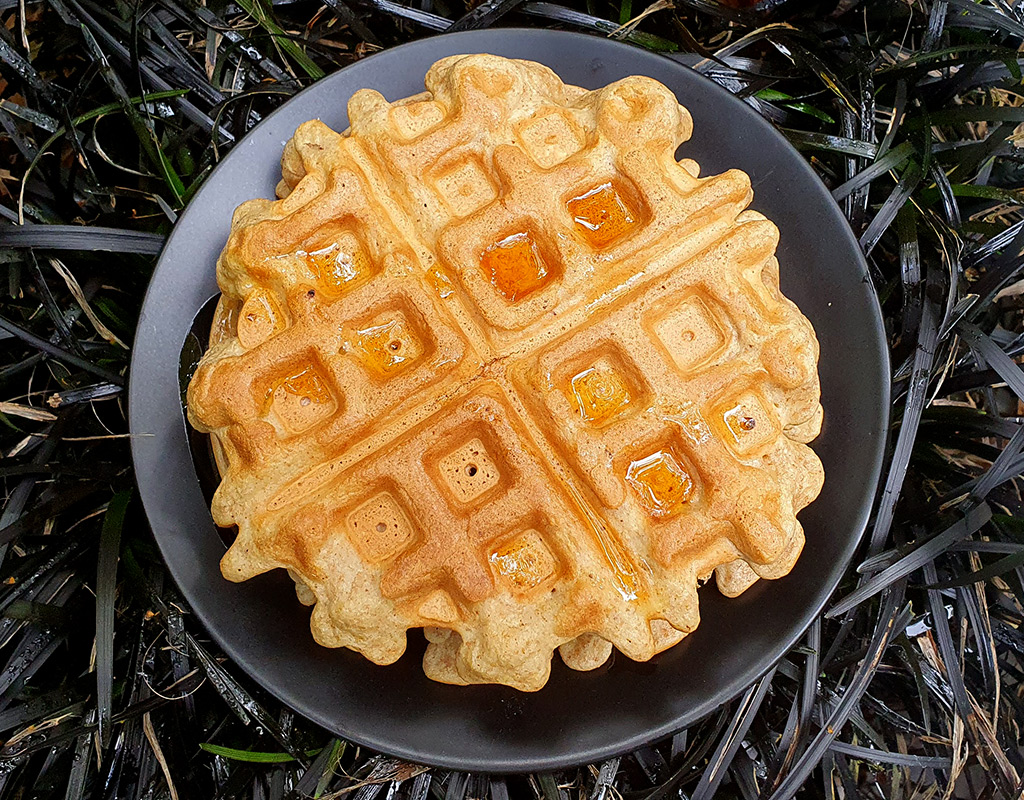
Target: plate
pixel 577 717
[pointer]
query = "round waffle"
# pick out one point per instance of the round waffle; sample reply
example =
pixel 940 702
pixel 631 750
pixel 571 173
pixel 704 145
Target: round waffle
pixel 498 366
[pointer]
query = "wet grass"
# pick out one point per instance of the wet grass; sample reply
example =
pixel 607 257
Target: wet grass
pixel 111 116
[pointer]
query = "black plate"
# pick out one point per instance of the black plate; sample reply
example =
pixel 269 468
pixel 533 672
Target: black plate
pixel 577 717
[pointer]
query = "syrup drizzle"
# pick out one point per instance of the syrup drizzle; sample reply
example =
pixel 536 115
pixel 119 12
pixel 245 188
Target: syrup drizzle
pixel 387 348
pixel 514 266
pixel 739 422
pixel 601 215
pixel 662 485
pixel 306 384
pixel 600 394
pixel 335 267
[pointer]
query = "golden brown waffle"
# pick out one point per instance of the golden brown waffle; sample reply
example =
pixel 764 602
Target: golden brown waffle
pixel 496 365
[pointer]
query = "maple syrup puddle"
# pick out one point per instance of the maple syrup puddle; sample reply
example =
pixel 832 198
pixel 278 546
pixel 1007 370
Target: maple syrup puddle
pixel 524 562
pixel 514 266
pixel 335 267
pixel 600 394
pixel 739 422
pixel 389 347
pixel 307 385
pixel 601 215
pixel 662 485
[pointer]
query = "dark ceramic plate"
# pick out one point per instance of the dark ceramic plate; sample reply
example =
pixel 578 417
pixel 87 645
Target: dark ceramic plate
pixel 577 717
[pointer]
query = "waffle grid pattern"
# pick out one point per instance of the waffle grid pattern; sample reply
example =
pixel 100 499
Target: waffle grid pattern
pixel 499 366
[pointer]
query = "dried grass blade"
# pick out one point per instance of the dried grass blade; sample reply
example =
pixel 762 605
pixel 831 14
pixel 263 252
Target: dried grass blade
pixel 26 412
pixel 79 295
pixel 150 732
pixel 980 625
pixel 1001 468
pixel 898 110
pixel 570 16
pixel 996 569
pixel 63 331
pixel 785 752
pixel 605 779
pixel 84 394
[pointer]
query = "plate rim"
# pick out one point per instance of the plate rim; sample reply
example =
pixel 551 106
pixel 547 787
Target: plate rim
pixel 730 689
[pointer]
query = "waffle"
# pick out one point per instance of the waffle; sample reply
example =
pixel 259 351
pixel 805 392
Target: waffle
pixel 496 365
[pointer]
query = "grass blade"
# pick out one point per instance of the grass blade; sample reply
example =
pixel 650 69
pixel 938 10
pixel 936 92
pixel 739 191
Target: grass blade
pixel 264 17
pixel 59 353
pixel 74 237
pixel 251 756
pixel 106 589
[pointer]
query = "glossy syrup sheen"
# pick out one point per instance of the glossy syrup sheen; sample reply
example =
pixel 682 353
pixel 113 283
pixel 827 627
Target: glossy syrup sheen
pixel 739 422
pixel 306 384
pixel 662 485
pixel 259 310
pixel 441 284
pixel 601 215
pixel 523 563
pixel 225 322
pixel 600 394
pixel 336 267
pixel 514 266
pixel 388 347
pixel 259 319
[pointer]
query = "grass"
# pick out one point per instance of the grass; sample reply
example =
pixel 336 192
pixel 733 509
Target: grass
pixel 909 686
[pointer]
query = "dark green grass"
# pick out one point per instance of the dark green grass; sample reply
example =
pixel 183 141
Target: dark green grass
pixel 908 687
